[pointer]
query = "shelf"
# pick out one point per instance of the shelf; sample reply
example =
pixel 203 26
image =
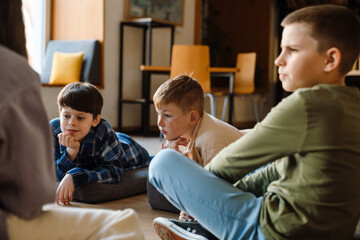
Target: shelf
pixel 133 100
pixel 147 24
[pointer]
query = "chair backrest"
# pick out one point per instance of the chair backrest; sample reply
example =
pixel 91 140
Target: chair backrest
pixel 193 60
pixel 91 59
pixel 245 73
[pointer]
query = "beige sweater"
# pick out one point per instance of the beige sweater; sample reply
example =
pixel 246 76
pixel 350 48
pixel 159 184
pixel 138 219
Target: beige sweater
pixel 209 137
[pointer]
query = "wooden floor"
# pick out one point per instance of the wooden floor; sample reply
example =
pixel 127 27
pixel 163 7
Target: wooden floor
pixel 145 213
pixel 139 203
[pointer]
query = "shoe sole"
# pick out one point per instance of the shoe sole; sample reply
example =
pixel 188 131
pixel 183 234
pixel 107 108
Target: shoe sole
pixel 165 233
pixel 170 231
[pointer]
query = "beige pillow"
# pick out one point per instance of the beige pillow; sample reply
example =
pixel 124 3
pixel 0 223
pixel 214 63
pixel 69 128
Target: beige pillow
pixel 66 68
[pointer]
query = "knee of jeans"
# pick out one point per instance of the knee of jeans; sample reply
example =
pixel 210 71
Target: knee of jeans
pixel 162 163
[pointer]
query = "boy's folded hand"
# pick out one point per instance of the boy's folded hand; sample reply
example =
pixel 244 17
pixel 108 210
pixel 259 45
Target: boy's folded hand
pixel 65 190
pixel 174 144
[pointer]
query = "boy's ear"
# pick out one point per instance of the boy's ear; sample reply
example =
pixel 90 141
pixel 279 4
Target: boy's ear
pixel 333 58
pixel 96 120
pixel 194 117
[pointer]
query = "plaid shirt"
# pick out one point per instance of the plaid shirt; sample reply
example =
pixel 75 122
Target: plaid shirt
pixel 103 156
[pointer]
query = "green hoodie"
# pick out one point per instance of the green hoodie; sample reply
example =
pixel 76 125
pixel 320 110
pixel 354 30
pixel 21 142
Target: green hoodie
pixel 312 188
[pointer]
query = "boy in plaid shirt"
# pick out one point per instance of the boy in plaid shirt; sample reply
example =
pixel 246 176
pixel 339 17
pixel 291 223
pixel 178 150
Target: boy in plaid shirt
pixel 87 149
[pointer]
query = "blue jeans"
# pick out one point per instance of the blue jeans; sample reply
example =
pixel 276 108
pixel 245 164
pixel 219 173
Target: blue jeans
pixel 224 210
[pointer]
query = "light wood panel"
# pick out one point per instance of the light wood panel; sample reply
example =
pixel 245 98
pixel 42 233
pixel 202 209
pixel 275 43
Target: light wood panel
pixel 77 20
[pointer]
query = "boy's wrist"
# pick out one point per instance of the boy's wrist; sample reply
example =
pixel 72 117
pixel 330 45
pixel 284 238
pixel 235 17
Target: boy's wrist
pixel 71 153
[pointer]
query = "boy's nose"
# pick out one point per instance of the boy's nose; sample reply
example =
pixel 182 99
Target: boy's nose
pixel 72 121
pixel 279 61
pixel 160 122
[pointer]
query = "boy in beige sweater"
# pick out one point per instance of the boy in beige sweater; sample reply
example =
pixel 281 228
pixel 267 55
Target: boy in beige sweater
pixel 187 128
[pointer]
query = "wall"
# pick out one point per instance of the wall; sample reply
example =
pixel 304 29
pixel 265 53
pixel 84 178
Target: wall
pixel 244 26
pixel 132 57
pixel 71 20
pixel 113 14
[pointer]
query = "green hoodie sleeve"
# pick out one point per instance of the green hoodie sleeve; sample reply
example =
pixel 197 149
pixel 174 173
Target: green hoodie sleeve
pixel 280 134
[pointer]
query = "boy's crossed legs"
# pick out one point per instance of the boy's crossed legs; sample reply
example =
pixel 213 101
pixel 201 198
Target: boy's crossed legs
pixel 217 205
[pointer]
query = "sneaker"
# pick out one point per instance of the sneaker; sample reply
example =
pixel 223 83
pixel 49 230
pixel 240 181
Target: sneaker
pixel 171 229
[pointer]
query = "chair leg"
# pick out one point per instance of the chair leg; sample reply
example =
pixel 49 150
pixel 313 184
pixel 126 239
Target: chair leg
pixel 212 104
pixel 226 99
pixel 255 107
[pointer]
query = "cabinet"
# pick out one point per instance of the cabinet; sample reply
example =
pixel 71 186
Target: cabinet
pixel 147 24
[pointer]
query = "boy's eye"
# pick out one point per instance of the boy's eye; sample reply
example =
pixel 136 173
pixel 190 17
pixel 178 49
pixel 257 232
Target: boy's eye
pixel 288 49
pixel 167 116
pixel 66 116
pixel 80 118
pixel 291 49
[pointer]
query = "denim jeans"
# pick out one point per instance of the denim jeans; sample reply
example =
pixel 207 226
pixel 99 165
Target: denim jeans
pixel 224 210
pixel 158 201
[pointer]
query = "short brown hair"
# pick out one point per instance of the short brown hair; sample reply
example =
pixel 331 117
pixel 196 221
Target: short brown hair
pixel 184 91
pixel 81 96
pixel 331 26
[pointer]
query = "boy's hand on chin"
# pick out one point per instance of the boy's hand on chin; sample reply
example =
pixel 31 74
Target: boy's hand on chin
pixel 65 190
pixel 68 141
pixel 72 145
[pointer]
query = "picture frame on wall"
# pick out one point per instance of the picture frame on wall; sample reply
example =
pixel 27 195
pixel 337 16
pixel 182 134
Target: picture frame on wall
pixel 170 11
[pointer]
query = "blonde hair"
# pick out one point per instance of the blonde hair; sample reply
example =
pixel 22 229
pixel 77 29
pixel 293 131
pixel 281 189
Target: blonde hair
pixel 184 91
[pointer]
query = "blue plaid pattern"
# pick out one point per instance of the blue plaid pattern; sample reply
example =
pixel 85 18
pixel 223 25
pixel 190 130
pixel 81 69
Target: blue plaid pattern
pixel 103 156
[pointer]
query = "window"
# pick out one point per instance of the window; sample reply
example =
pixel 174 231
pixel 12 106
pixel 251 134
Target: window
pixel 35 20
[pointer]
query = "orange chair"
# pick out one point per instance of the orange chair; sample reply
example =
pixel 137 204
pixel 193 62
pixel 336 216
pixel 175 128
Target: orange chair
pixel 244 80
pixel 245 77
pixel 193 60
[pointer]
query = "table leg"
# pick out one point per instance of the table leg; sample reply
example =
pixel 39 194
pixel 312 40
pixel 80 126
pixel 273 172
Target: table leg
pixel 145 108
pixel 231 107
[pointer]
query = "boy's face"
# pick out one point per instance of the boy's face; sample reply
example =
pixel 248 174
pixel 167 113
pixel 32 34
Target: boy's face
pixel 76 123
pixel 172 122
pixel 300 64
